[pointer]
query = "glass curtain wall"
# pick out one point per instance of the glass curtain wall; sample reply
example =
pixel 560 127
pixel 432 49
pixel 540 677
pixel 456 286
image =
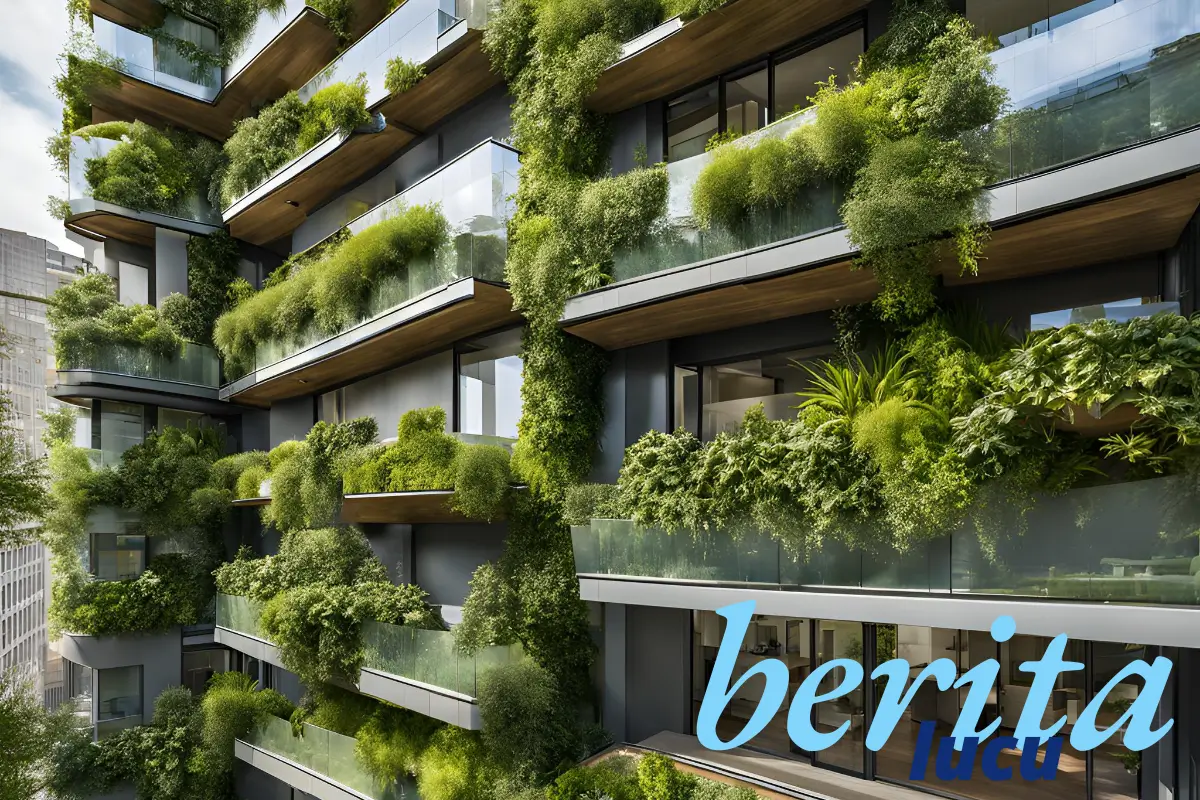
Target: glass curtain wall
pixel 804 644
pixel 489 385
pixel 742 102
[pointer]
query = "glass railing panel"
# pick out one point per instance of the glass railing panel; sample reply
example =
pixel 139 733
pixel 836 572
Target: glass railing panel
pixel 267 27
pixel 195 208
pixel 1121 74
pixel 410 32
pixel 159 62
pixel 239 614
pixel 326 753
pixel 474 193
pixel 1130 542
pixel 677 240
pixel 196 364
pixel 430 657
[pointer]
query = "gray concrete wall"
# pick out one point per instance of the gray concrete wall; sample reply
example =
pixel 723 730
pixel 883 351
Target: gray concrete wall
pixel 428 382
pixel 446 556
pixel 489 117
pixel 637 398
pixel 291 419
pixel 658 671
pixel 393 545
pixel 160 656
pixel 170 263
pixel 630 130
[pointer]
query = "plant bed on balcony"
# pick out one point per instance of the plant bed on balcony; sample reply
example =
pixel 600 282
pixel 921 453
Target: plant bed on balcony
pixel 950 431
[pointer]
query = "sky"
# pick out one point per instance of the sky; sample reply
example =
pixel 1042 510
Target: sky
pixel 30 41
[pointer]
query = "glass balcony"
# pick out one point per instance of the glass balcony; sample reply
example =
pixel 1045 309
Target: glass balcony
pixel 474 193
pixel 196 209
pixel 429 657
pixel 1126 543
pixel 1103 76
pixel 196 364
pixel 326 753
pixel 415 32
pixel 111 727
pixel 266 27
pixel 159 62
pixel 240 614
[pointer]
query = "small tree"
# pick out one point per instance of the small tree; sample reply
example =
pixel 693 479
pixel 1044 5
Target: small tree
pixel 22 478
pixel 26 735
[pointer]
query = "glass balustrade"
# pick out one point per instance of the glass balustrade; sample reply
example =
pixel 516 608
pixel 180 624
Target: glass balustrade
pixel 240 614
pixel 1129 542
pixel 195 208
pixel 413 32
pixel 1105 76
pixel 268 25
pixel 474 193
pixel 195 364
pixel 158 60
pixel 430 657
pixel 326 753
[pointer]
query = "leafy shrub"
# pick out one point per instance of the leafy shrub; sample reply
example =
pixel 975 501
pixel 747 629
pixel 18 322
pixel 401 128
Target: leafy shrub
pixel 613 777
pixel 481 481
pixel 529 728
pixel 331 292
pixel 286 129
pixel 454 767
pixel 87 318
pixel 587 501
pixel 175 589
pixel 740 180
pixel 660 780
pixel 212 268
pixel 391 741
pixel 402 75
pixel 233 708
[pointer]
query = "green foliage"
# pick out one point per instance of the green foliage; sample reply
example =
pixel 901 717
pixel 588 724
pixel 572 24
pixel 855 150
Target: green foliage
pixel 742 181
pixel 690 9
pixel 588 501
pixel 232 708
pixel 402 75
pixel 391 741
pixel 454 767
pixel 330 292
pixel 212 268
pixel 27 732
pixel 151 170
pixel 284 130
pixel 613 777
pixel 529 728
pixel 85 68
pixel 86 317
pixel 22 478
pixel 659 780
pixel 175 589
pixel 481 481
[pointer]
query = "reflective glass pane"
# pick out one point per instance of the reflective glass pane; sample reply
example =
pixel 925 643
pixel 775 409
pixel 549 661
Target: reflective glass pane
pixel 837 640
pixel 691 121
pixel 489 386
pixel 746 101
pixel 796 78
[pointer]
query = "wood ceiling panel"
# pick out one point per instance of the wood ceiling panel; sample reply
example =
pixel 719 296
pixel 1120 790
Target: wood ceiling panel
pixel 490 308
pixel 114 226
pixel 130 13
pixel 367 14
pixel 283 210
pixel 408 508
pixel 133 100
pixel 804 292
pixel 713 43
pixel 462 75
pixel 1134 224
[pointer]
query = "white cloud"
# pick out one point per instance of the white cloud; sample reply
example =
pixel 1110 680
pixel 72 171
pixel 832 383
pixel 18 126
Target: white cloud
pixel 30 42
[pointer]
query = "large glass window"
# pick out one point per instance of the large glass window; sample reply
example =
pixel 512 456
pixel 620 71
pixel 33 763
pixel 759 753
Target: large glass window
pixel 1118 311
pixel 747 101
pixel 200 665
pixel 118 557
pixel 796 77
pixel 1013 21
pixel 489 386
pixel 728 391
pixel 1110 777
pixel 122 426
pixel 841 640
pixel 78 680
pixel 119 693
pixel 692 120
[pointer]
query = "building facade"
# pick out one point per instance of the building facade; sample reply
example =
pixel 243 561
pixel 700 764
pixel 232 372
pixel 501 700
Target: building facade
pixel 483 241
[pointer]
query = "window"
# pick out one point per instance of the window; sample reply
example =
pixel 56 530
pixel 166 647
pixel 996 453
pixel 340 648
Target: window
pixel 692 120
pixel 715 398
pixel 119 695
pixel 489 386
pixel 331 407
pixel 1015 21
pixel 744 101
pixel 200 665
pixel 134 284
pixel 117 557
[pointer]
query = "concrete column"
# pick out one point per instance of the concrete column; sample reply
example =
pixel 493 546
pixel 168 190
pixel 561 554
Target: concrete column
pixel 170 264
pixel 613 704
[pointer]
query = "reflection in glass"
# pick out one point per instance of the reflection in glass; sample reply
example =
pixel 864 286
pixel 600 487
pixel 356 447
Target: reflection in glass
pixel 796 78
pixel 730 390
pixel 121 427
pixel 489 386
pixel 1118 311
pixel 1110 778
pixel 836 640
pixel 117 557
pixel 687 400
pixel 119 694
pixel 200 665
pixel 746 102
pixel 691 121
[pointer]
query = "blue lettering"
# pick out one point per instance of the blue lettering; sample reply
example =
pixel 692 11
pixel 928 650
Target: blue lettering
pixel 991 758
pixel 1049 768
pixel 946 771
pixel 799 724
pixel 920 762
pixel 1138 736
pixel 1045 675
